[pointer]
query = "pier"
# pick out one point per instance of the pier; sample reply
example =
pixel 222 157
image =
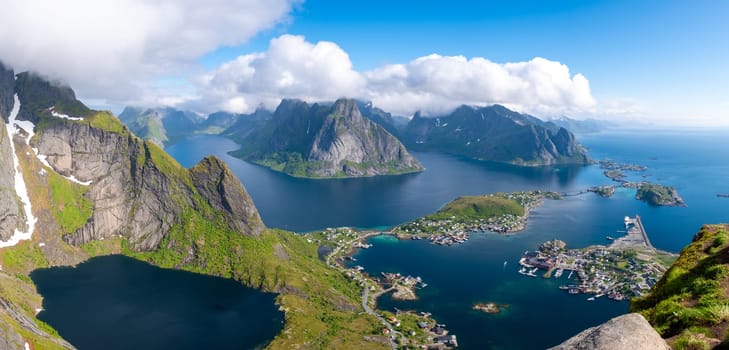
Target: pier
pixel 635 236
pixel 639 224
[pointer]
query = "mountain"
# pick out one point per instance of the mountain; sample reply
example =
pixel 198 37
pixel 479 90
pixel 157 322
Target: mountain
pixel 380 117
pixel 245 124
pixel 77 183
pixel 495 133
pixel 583 126
pixel 326 140
pixel 162 126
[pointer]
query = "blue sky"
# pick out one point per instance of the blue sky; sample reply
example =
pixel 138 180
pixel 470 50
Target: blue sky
pixel 670 57
pixel 661 61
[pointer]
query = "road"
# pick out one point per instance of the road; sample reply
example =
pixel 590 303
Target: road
pixel 366 307
pixel 365 288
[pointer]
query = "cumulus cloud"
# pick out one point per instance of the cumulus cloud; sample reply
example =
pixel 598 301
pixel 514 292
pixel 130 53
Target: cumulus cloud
pixel 434 84
pixel 104 47
pixel 290 68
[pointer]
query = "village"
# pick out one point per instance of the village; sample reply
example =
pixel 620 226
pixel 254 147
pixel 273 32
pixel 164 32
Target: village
pixel 402 329
pixel 627 268
pixel 456 229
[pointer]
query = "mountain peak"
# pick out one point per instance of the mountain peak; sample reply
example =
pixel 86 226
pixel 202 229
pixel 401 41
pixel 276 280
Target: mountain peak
pixel 326 140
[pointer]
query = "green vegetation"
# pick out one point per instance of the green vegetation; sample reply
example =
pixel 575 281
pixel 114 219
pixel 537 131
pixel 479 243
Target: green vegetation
pixel 106 121
pixel 656 194
pixel 23 257
pixel 37 94
pixel 321 304
pixel 70 207
pixel 693 292
pixel 478 207
pixel 500 212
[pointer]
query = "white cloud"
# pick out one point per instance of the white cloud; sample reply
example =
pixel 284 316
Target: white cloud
pixel 437 83
pixel 105 47
pixel 290 68
pixel 295 68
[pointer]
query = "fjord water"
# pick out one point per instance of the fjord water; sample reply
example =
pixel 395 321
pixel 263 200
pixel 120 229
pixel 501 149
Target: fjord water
pixel 539 314
pixel 115 302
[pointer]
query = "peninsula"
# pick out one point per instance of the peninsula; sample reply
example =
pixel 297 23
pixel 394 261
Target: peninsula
pixel 501 212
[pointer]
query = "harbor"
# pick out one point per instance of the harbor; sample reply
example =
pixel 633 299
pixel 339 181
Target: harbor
pixel 627 268
pixel 402 329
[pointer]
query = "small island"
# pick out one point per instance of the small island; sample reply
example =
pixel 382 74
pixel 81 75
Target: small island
pixel 603 191
pixel 490 307
pixel 501 213
pixel 655 194
pixel 651 193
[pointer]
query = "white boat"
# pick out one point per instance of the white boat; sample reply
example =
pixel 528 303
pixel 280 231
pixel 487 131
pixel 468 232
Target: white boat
pixel 590 298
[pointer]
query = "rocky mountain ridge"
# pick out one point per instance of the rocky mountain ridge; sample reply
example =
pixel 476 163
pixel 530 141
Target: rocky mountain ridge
pixel 495 133
pixel 322 140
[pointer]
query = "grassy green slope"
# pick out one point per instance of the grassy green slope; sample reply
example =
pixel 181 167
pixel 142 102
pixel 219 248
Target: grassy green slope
pixel 478 207
pixel 690 304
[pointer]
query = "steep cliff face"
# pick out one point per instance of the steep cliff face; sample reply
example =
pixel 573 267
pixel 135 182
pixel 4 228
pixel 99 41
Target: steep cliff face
pixel 223 192
pixel 495 133
pixel 326 141
pixel 8 198
pixel 135 189
pixel 629 331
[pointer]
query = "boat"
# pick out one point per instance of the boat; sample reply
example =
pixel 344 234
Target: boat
pixel 504 263
pixel 590 298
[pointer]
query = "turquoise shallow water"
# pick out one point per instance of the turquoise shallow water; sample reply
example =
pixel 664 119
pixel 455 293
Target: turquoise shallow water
pixel 540 315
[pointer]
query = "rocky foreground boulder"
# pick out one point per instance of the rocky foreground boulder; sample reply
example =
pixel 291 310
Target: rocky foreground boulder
pixel 630 331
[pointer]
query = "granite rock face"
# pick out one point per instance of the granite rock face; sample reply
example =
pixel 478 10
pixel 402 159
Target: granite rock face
pixel 216 183
pixel 323 141
pixel 133 195
pixel 136 189
pixel 8 199
pixel 495 133
pixel 630 331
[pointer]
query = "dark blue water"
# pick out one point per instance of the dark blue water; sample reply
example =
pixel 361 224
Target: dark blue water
pixel 115 302
pixel 540 315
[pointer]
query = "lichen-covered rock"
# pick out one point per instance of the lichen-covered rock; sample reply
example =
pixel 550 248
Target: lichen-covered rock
pixel 630 331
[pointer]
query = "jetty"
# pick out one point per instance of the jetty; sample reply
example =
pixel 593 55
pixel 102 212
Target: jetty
pixel 636 235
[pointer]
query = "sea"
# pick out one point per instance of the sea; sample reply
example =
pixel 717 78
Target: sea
pixel 484 269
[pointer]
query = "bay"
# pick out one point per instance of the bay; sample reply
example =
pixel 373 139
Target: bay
pixel 539 315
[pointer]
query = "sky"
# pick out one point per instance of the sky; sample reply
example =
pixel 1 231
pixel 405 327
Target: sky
pixel 663 62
